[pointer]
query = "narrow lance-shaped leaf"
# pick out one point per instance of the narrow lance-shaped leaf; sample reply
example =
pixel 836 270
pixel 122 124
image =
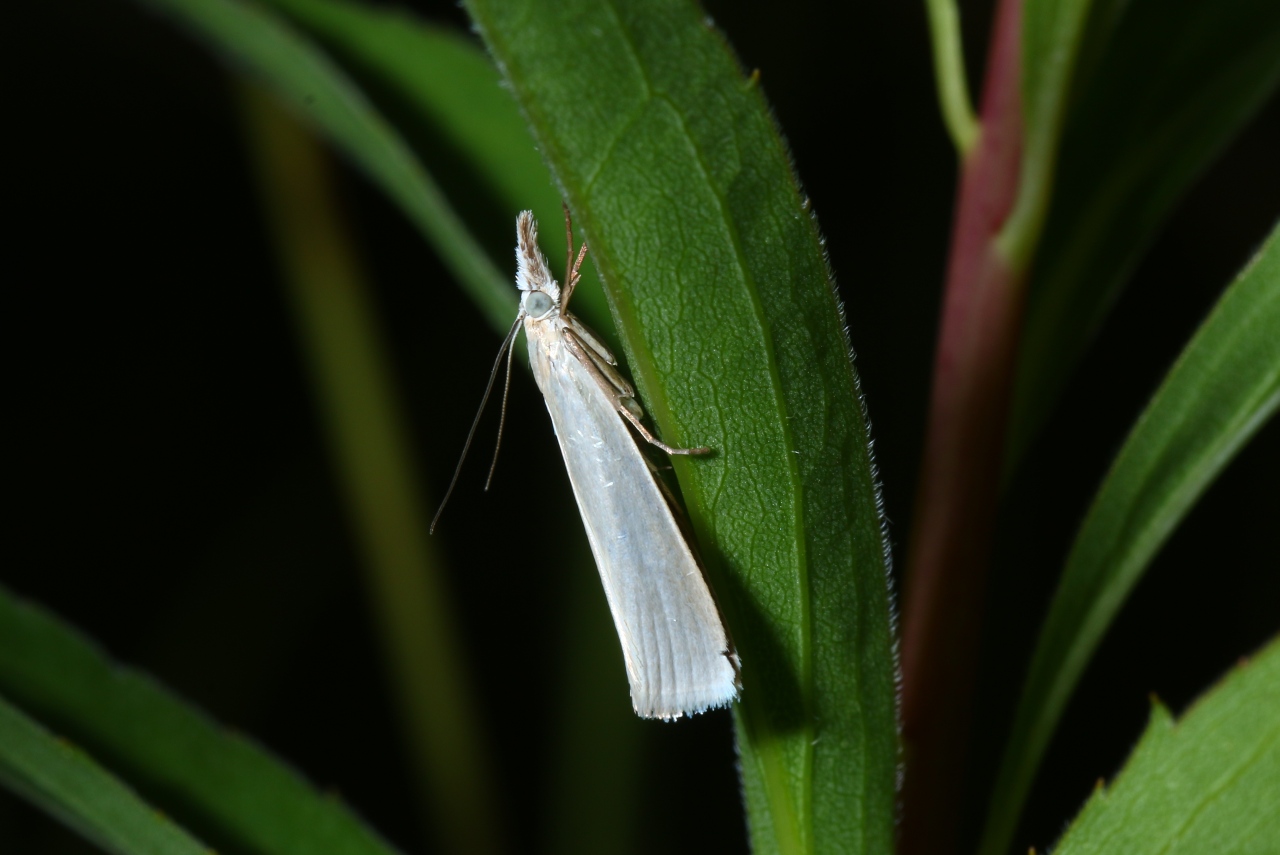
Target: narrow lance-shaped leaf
pixel 1209 782
pixel 225 788
pixel 715 273
pixel 64 781
pixel 299 73
pixel 1224 386
pixel 1162 87
pixel 370 451
pixel 434 78
pixel 453 89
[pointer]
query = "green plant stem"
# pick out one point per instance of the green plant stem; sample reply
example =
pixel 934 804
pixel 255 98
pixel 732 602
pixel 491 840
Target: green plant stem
pixel 371 452
pixel 959 483
pixel 949 75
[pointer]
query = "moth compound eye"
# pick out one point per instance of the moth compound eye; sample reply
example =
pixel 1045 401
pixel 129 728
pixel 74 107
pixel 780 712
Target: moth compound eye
pixel 536 304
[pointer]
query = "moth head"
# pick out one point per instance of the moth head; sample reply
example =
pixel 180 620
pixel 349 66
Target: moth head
pixel 532 272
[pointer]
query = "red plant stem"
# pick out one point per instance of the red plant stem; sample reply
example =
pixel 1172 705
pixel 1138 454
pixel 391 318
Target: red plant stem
pixel 960 472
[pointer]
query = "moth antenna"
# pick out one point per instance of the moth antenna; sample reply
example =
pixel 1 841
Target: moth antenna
pixel 502 417
pixel 568 240
pixel 493 374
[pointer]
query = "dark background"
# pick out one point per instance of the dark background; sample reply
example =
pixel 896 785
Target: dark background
pixel 174 498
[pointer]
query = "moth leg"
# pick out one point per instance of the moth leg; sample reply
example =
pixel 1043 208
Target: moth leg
pixel 587 337
pixel 602 363
pixel 620 391
pixel 650 438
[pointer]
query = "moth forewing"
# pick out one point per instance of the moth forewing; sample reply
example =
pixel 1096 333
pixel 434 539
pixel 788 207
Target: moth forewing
pixel 679 660
pixel 678 656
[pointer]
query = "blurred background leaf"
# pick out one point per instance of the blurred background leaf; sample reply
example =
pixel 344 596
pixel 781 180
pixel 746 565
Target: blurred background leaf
pixel 219 785
pixel 1159 91
pixel 305 78
pixel 1221 391
pixel 445 97
pixel 66 783
pixel 368 442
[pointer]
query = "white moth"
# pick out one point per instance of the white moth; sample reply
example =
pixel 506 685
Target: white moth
pixel 679 658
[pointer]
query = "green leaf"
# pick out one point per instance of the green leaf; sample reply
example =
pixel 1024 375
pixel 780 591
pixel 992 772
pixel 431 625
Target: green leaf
pixel 449 82
pixel 1223 387
pixel 715 274
pixel 438 79
pixel 369 445
pixel 1162 86
pixel 68 785
pixel 450 97
pixel 1208 783
pixel 304 78
pixel 222 786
